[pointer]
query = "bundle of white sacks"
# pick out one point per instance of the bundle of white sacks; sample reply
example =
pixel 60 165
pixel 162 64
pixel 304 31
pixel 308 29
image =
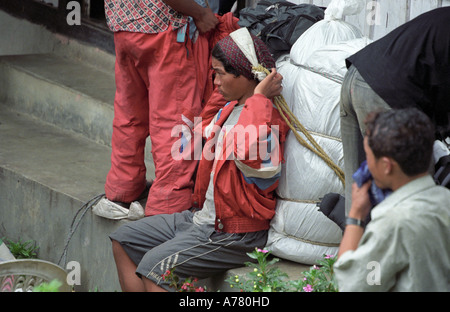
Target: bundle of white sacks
pixel 313 73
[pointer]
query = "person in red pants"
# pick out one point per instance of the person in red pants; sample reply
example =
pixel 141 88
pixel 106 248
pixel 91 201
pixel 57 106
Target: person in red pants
pixel 156 88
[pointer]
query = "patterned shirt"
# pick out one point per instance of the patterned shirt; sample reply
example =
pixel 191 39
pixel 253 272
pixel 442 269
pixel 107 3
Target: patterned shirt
pixel 145 16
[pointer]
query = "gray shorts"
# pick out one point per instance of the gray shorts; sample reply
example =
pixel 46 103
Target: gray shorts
pixel 172 241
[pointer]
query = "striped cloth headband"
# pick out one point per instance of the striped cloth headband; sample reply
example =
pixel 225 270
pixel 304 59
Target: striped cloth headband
pixel 245 51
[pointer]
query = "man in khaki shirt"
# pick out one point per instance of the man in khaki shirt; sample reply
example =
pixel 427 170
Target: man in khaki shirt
pixel 406 245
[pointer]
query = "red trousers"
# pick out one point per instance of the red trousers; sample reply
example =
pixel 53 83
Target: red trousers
pixel 156 83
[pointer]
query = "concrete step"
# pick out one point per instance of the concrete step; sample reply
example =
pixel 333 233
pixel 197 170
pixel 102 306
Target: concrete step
pixel 65 89
pixel 46 175
pixel 20 36
pixel 62 91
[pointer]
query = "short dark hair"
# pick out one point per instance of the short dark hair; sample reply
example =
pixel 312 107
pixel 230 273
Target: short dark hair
pixel 406 135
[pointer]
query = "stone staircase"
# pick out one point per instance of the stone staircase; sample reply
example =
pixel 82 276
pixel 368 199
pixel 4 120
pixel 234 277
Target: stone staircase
pixel 56 111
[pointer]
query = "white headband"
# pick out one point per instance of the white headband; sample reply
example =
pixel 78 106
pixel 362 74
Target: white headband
pixel 245 43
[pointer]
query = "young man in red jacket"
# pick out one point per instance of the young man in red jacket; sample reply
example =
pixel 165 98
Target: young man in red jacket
pixel 235 185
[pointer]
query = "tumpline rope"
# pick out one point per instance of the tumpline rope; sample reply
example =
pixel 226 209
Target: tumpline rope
pixel 294 124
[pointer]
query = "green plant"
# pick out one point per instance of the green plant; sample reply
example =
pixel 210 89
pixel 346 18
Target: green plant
pixel 53 286
pixel 266 278
pixel 263 278
pixel 22 250
pixel 186 285
pixel 319 278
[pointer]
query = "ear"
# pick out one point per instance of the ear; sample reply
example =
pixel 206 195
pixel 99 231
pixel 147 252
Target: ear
pixel 388 165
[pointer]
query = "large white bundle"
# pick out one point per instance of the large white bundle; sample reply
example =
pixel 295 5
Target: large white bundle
pixel 313 75
pixel 322 33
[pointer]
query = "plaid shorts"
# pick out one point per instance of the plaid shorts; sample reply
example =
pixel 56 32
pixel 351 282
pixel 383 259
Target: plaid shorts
pixel 172 241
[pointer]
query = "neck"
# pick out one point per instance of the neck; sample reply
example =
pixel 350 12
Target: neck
pixel 404 179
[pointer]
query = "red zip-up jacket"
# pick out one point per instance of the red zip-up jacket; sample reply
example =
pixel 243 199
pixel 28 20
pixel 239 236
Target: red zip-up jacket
pixel 244 188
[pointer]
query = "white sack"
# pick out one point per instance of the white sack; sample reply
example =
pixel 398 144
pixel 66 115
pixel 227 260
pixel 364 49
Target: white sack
pixel 296 236
pixel 313 75
pixel 338 9
pixel 320 34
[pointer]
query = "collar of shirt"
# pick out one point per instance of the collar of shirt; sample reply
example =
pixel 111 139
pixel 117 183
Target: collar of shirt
pixel 407 190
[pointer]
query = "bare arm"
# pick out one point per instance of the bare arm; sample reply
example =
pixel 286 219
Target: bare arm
pixel 204 18
pixel 359 210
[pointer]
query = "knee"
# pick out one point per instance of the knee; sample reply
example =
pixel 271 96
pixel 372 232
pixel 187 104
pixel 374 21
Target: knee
pixel 150 286
pixel 117 249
